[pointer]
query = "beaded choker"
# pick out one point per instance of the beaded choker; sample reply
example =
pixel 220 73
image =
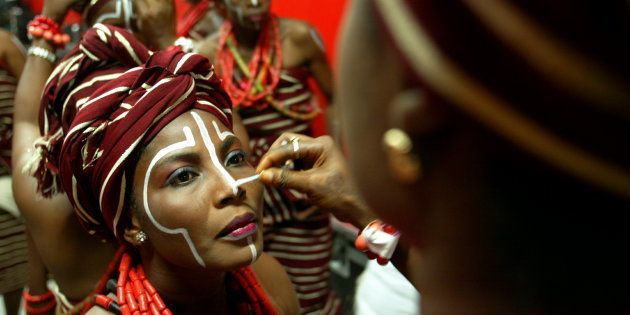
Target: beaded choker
pixel 136 295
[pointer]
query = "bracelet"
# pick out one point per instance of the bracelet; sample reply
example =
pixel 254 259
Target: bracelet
pixel 378 240
pixel 46 28
pixel 42 53
pixel 30 299
pixel 36 298
pixel 40 310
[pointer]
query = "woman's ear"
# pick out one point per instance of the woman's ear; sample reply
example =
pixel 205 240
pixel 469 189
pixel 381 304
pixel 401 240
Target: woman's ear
pixel 410 116
pixel 133 232
pixel 416 113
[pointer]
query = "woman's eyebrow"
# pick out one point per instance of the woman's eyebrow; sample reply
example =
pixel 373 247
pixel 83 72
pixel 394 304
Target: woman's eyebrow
pixel 179 156
pixel 227 144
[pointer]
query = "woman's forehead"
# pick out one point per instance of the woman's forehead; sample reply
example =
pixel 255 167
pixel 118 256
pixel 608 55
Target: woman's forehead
pixel 175 130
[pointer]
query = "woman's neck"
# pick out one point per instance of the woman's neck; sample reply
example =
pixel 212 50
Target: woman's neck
pixel 184 290
pixel 246 37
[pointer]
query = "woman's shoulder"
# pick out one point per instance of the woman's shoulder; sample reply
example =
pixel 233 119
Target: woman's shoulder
pixel 276 283
pixel 299 31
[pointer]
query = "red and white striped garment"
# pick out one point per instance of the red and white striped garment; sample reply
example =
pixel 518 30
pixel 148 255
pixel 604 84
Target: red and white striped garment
pixel 13 245
pixel 302 244
pixel 7 93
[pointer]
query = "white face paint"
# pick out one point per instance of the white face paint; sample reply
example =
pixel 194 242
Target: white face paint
pixel 252 248
pixel 190 142
pixel 234 184
pixel 124 10
pixel 317 39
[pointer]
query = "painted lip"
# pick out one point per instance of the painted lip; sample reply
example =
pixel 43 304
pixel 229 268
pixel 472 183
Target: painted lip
pixel 256 18
pixel 240 227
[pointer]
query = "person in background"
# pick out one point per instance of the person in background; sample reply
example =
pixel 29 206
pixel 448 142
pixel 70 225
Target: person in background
pixel 201 20
pixel 494 137
pixel 266 63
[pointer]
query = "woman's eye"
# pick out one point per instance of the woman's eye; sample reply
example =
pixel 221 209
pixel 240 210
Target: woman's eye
pixel 235 158
pixel 181 177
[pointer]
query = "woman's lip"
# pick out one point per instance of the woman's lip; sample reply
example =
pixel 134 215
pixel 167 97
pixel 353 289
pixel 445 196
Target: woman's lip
pixel 237 226
pixel 256 18
pixel 242 232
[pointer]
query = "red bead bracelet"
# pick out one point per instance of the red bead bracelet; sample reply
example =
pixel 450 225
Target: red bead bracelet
pixel 44 27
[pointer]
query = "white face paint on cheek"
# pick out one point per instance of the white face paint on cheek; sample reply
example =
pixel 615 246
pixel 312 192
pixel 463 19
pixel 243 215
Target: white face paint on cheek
pixel 189 142
pixel 252 249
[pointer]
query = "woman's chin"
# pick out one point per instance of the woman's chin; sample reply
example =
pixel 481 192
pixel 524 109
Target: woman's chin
pixel 232 256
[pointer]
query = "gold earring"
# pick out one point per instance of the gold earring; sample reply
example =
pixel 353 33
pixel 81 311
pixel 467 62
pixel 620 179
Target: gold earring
pixel 404 164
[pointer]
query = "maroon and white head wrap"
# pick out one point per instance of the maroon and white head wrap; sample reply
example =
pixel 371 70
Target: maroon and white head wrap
pixel 107 99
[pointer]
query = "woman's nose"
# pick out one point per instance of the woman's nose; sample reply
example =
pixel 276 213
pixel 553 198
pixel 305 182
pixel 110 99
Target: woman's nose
pixel 224 195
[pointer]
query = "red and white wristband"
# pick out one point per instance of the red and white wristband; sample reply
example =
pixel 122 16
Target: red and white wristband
pixel 378 240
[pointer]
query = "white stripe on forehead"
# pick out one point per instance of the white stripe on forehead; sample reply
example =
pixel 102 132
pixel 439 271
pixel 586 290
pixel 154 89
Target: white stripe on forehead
pixel 222 134
pixel 189 142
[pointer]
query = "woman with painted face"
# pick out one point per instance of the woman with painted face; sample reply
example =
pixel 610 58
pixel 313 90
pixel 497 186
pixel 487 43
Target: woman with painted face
pixel 75 262
pixel 266 63
pixel 141 144
pixel 495 135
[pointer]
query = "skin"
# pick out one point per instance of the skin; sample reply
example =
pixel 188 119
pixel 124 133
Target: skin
pixel 77 261
pixel 186 175
pixel 494 231
pixel 12 53
pixel 152 21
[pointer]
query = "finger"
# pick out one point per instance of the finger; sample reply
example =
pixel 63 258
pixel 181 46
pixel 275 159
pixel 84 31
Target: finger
pixel 308 152
pixel 286 137
pixel 284 178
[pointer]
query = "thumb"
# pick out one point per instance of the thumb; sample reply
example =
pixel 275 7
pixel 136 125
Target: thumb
pixel 285 178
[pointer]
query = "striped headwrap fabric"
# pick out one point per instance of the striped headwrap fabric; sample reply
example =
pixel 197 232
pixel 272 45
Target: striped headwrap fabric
pixel 106 100
pixel 551 77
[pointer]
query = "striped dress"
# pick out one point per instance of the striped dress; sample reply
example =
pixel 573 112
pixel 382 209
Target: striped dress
pixel 13 245
pixel 302 242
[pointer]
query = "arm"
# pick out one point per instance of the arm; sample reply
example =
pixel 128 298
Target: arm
pixel 37 273
pixel 12 53
pixel 39 213
pixel 326 180
pixel 324 176
pixel 156 23
pixel 307 38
